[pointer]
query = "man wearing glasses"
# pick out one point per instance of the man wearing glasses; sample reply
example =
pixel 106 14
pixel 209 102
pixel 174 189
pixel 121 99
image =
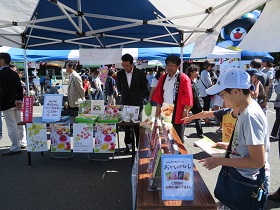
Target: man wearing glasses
pixel 132 85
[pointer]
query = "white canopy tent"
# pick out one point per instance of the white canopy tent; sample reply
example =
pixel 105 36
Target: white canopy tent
pixel 220 52
pixel 64 24
pixel 264 35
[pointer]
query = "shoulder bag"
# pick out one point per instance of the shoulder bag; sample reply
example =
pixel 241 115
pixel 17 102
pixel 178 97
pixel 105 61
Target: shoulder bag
pixel 239 192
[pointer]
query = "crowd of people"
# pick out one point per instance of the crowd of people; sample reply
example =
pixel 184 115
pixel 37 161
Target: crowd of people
pixel 237 99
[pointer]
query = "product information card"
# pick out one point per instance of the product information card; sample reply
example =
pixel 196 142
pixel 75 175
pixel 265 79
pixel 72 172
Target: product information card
pixel 177 177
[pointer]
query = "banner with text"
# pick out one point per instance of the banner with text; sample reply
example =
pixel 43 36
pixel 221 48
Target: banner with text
pixel 100 56
pixel 27 109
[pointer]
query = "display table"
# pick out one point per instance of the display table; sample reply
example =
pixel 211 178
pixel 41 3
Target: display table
pixel 152 200
pixel 72 120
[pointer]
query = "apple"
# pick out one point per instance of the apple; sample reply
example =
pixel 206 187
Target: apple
pixel 108 138
pixel 63 138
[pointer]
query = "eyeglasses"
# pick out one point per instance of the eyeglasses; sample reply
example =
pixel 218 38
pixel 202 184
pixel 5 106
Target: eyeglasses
pixel 227 90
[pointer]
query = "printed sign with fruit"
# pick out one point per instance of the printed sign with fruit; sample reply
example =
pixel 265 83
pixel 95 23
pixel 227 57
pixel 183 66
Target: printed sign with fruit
pixel 113 109
pixel 36 137
pixel 85 107
pixel 60 137
pixel 105 138
pixel 97 107
pixel 82 138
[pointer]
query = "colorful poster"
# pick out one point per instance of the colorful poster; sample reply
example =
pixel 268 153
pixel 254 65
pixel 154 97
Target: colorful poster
pixel 52 107
pixel 113 109
pixel 27 109
pixel 36 137
pixel 177 177
pixel 97 107
pixel 105 138
pixel 60 138
pixel 82 138
pixel 130 113
pixel 85 107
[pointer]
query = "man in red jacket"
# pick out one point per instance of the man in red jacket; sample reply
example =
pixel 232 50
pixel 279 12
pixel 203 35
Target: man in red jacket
pixel 174 88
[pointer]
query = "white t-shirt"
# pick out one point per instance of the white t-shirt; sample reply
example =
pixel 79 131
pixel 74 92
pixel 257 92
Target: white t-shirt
pixel 251 129
pixel 205 80
pixel 154 82
pixel 168 88
pixel 269 73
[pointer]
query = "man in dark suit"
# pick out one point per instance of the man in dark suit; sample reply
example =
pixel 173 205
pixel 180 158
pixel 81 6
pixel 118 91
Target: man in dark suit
pixel 132 85
pixel 11 96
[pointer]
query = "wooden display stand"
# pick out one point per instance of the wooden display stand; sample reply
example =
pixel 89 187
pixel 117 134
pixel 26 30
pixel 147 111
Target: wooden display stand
pixel 152 200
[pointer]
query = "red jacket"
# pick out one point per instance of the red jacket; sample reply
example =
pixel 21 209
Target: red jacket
pixel 185 95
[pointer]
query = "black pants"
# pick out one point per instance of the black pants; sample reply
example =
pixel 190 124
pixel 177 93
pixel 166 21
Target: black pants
pixel 275 129
pixel 206 100
pixel 180 129
pixel 129 135
pixel 198 126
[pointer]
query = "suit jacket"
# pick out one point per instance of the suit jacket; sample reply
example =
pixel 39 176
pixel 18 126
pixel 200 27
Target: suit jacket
pixel 75 90
pixel 10 88
pixel 138 88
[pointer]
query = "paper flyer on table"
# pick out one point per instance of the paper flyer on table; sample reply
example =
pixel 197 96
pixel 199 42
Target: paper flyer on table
pixel 60 138
pixel 85 107
pixel 206 145
pixel 177 177
pixel 97 107
pixel 114 109
pixel 36 137
pixel 52 107
pixel 130 112
pixel 82 138
pixel 105 138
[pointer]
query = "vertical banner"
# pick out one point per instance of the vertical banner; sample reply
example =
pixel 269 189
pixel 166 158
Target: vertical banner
pixel 36 137
pixel 105 138
pixel 60 138
pixel 27 109
pixel 177 177
pixel 82 138
pixel 52 107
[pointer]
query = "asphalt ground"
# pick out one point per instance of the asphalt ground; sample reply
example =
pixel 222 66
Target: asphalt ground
pixel 79 183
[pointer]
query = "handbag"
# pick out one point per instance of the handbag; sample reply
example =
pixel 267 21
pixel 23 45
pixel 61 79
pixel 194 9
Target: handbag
pixel 239 192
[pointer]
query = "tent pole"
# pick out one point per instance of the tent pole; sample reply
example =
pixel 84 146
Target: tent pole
pixel 26 73
pixel 181 57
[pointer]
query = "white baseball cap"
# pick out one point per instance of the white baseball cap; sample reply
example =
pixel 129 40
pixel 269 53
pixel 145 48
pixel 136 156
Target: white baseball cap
pixel 231 78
